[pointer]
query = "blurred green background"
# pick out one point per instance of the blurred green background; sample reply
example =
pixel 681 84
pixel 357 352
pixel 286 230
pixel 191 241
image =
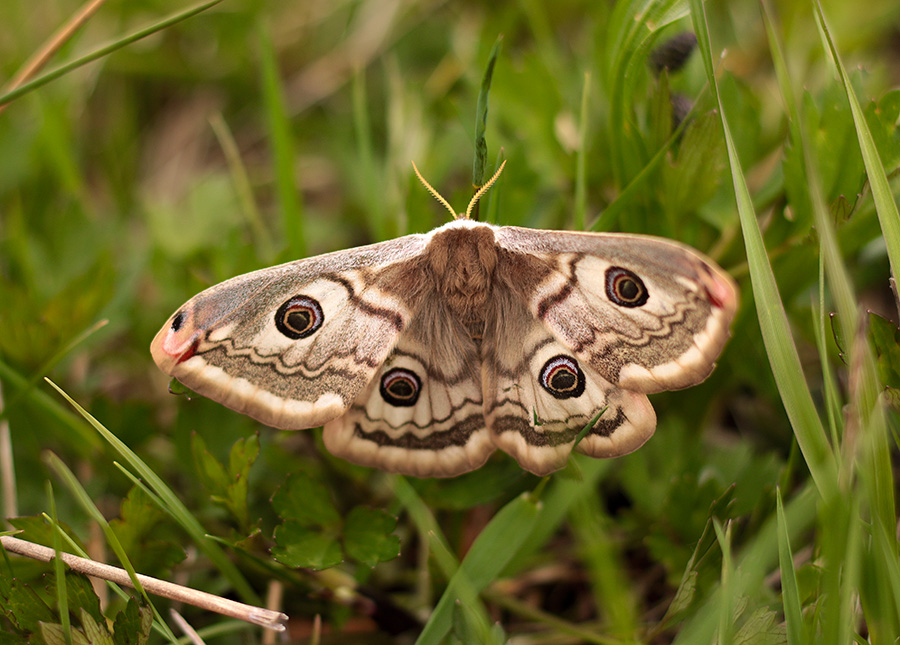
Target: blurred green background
pixel 258 132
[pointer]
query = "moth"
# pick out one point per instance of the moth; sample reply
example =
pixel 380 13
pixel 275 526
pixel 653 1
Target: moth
pixel 424 354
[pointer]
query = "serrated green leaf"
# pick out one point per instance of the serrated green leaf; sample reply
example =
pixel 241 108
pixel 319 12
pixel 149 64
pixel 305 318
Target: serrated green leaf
pixel 95 629
pixel 881 118
pixel 693 176
pixel 140 519
pixel 243 455
pixel 53 634
pixel 26 608
pixel 306 501
pixel 36 529
pixel 212 473
pixel 13 639
pixel 368 536
pixel 132 624
pixel 761 629
pixel 81 595
pixel 301 546
pixel 886 340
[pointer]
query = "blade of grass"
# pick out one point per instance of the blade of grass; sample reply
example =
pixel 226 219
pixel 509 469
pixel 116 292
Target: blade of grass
pixel 173 505
pixel 20 91
pixel 85 440
pixel 282 145
pixel 790 592
pixel 481 114
pixel 624 199
pixel 885 205
pixel 59 571
pixel 50 363
pixel 77 490
pixel 838 280
pixel 757 558
pixel 53 44
pixel 603 563
pixel 726 601
pixel 581 158
pixel 492 549
pixel 265 249
pixel 780 347
pixel 362 127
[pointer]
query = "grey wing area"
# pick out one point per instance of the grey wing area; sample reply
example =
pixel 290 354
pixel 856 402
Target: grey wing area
pixel 539 396
pixel 293 345
pixel 647 314
pixel 422 414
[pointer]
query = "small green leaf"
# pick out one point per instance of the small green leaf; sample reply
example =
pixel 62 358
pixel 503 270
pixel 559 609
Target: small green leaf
pixel 212 473
pixel 243 455
pixel 882 120
pixel 26 608
pixel 368 536
pixel 761 629
pixel 886 340
pixel 132 624
pixel 54 634
pixel 301 546
pixel 81 595
pixel 140 528
pixel 178 388
pixel 306 501
pixel 95 630
pixel 693 176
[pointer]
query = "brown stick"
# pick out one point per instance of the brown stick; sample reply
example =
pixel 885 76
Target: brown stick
pixel 256 615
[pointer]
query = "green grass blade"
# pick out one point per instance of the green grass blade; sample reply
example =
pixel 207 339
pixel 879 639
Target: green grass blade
pixel 885 205
pixel 173 505
pixel 790 593
pixel 42 80
pixel 581 158
pixel 604 565
pixel 780 347
pixel 282 143
pixel 838 280
pixel 371 179
pixel 86 440
pixel 81 495
pixel 59 571
pixel 725 632
pixel 493 548
pixel 481 114
pixel 264 247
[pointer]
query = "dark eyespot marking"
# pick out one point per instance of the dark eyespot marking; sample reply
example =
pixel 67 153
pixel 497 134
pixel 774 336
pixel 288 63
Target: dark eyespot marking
pixel 624 288
pixel 299 317
pixel 400 387
pixel 562 377
pixel 178 320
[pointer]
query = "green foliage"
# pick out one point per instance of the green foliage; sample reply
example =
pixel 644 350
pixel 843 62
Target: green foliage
pixel 314 535
pixel 135 174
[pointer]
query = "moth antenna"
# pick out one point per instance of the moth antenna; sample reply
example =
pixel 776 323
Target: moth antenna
pixel 435 193
pixel 483 190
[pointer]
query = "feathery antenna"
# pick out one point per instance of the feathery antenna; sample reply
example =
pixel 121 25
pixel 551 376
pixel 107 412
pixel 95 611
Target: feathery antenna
pixel 483 190
pixel 434 192
pixel 475 197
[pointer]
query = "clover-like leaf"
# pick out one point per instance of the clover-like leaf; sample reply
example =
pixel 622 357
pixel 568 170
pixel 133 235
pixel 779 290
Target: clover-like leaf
pixel 368 536
pixel 306 501
pixel 308 547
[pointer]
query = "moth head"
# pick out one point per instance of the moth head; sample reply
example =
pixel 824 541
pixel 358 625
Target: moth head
pixel 481 191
